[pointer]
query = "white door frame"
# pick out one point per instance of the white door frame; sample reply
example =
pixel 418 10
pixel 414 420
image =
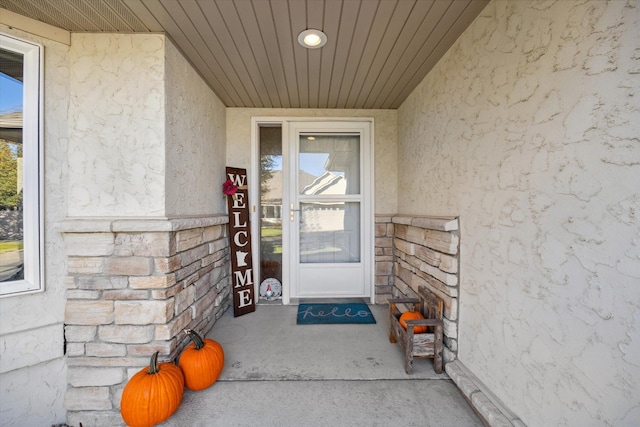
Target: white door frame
pixel 254 198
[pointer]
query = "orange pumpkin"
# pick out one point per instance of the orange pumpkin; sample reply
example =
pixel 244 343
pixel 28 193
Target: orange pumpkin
pixel 413 315
pixel 201 362
pixel 152 395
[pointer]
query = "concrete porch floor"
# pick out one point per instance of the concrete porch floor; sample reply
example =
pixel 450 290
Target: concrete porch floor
pixel 280 374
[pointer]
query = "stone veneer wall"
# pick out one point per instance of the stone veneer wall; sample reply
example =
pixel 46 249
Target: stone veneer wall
pixel 384 259
pixel 426 254
pixel 133 286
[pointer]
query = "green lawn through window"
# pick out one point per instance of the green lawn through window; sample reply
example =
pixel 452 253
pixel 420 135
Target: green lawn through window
pixel 10 246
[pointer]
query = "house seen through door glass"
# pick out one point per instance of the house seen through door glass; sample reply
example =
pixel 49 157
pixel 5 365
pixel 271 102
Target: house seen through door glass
pixel 271 181
pixel 329 166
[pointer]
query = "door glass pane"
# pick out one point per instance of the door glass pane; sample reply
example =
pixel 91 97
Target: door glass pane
pixel 271 203
pixel 330 232
pixel 11 170
pixel 329 164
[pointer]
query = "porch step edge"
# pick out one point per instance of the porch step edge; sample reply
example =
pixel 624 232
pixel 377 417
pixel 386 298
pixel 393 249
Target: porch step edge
pixel 491 410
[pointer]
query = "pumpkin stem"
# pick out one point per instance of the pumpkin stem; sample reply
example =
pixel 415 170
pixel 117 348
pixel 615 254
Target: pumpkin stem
pixel 153 365
pixel 197 339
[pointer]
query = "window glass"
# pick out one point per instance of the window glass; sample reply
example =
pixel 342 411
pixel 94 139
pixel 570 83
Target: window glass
pixel 20 249
pixel 329 164
pixel 271 203
pixel 330 232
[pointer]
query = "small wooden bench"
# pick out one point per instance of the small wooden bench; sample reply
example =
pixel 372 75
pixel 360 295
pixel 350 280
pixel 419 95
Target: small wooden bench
pixel 418 345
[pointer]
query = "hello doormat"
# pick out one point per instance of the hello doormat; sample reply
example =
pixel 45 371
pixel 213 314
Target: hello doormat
pixel 331 314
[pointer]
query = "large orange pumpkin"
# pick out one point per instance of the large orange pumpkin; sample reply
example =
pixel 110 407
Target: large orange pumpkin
pixel 201 362
pixel 413 315
pixel 152 395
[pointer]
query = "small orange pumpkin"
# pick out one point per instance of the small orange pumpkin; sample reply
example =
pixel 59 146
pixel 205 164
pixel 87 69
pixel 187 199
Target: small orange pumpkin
pixel 201 362
pixel 413 315
pixel 152 395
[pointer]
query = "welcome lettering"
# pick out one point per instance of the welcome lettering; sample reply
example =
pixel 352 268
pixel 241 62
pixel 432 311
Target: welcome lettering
pixel 240 239
pixel 239 180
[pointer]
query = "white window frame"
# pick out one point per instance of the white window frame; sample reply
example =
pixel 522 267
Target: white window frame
pixel 32 199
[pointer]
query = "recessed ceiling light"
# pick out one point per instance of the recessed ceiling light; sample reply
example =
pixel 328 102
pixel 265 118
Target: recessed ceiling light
pixel 312 39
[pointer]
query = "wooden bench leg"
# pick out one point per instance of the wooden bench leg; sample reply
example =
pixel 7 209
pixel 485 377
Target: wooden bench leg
pixel 408 352
pixel 392 337
pixel 437 363
pixel 437 356
pixel 408 363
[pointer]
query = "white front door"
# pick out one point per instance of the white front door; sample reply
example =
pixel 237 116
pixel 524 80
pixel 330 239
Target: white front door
pixel 330 211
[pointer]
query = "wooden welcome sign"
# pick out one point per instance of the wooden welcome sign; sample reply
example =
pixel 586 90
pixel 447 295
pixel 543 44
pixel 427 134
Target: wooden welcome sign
pixel 240 235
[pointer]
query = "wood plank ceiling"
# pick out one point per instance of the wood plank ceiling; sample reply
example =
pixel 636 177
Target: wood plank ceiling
pixel 247 51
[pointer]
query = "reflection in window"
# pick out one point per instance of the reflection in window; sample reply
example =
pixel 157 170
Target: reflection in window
pixel 20 248
pixel 329 232
pixel 11 224
pixel 271 203
pixel 329 229
pixel 331 164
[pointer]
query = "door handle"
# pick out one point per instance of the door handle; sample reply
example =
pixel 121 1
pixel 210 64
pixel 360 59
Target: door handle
pixel 291 211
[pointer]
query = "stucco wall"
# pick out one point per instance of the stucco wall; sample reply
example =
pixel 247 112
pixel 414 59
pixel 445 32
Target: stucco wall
pixel 195 141
pixel 528 129
pixel 32 367
pixel 117 125
pixel 154 143
pixel 385 144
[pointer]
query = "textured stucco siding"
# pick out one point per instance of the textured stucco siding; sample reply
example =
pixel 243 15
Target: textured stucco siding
pixel 117 125
pixel 147 134
pixel 529 130
pixel 32 367
pixel 195 141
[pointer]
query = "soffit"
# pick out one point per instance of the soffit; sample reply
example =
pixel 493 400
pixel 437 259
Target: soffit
pixel 247 51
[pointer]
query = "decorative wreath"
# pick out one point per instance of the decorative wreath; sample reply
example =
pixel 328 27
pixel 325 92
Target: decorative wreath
pixel 229 188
